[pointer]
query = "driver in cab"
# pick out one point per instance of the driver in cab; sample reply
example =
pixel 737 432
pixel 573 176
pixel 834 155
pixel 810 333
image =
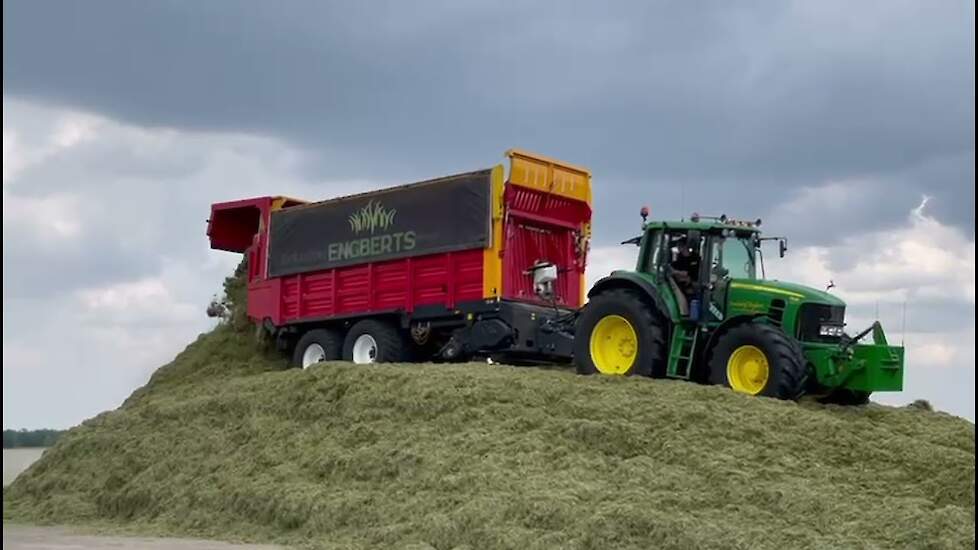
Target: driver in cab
pixel 685 265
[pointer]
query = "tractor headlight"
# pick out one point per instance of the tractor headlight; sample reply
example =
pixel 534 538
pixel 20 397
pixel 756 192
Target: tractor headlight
pixel 830 330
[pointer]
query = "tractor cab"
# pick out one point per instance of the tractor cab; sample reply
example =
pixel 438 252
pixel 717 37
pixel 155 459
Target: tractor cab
pixel 697 259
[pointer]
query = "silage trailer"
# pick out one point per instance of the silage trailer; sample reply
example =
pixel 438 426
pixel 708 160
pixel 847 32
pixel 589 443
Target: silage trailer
pixel 474 263
pixel 490 264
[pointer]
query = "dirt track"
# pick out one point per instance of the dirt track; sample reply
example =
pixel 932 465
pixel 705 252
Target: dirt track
pixel 20 537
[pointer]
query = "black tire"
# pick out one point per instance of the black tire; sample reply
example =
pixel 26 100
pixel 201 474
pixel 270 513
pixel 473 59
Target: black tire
pixel 329 340
pixel 787 370
pixel 391 344
pixel 847 397
pixel 650 356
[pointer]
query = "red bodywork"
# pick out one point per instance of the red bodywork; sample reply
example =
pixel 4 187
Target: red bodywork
pixel 535 225
pixel 540 225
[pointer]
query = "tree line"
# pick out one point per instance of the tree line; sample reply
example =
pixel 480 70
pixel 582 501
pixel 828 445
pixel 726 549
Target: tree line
pixel 30 438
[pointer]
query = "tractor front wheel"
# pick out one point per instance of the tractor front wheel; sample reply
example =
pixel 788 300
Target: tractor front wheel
pixel 758 359
pixel 618 333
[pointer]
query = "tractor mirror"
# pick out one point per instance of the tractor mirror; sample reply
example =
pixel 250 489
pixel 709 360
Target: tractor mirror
pixel 782 247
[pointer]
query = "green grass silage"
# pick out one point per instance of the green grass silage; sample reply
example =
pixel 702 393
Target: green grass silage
pixel 223 443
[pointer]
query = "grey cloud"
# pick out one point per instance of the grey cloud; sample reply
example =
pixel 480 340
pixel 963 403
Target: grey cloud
pixel 936 316
pixel 740 104
pixel 919 315
pixel 136 200
pixel 34 270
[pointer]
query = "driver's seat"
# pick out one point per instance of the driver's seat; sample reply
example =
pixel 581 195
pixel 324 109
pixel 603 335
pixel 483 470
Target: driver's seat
pixel 681 300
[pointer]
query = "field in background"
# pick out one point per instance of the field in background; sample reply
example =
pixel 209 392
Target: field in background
pixel 16 461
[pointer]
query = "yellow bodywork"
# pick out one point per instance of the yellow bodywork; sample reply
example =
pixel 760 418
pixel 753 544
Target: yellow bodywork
pixel 748 370
pixel 536 172
pixel 613 345
pixel 492 265
pixel 280 202
pixel 549 175
pixel 772 290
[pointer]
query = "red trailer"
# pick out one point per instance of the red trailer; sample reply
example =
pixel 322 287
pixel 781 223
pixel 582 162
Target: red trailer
pixel 475 264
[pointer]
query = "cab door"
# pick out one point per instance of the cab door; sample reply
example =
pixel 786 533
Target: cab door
pixel 714 283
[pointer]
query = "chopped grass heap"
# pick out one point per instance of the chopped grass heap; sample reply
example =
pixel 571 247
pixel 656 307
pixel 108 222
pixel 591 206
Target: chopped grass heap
pixel 225 443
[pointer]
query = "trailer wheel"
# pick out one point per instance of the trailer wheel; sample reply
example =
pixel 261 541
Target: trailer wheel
pixel 758 359
pixel 618 333
pixel 316 346
pixel 372 341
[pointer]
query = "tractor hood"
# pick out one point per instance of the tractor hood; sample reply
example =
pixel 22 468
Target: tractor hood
pixel 789 291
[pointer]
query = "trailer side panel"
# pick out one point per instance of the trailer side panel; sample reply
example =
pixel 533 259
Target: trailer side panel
pixel 395 285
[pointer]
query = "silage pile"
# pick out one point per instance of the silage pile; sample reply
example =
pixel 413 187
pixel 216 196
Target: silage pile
pixel 224 443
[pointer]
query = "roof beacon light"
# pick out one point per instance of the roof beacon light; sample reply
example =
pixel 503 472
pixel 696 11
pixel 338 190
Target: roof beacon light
pixel 644 212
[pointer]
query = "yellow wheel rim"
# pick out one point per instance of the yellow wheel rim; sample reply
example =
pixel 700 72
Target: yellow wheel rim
pixel 747 370
pixel 614 345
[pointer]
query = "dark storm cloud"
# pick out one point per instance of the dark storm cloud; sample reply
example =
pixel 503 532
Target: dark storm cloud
pixel 688 105
pixel 830 213
pixel 50 272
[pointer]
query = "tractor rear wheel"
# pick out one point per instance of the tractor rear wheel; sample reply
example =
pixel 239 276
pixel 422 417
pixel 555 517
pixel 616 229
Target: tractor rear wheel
pixel 619 333
pixel 758 359
pixel 373 341
pixel 316 346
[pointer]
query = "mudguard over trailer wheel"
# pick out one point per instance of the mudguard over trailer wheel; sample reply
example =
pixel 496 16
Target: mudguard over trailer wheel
pixel 758 359
pixel 618 333
pixel 373 341
pixel 316 346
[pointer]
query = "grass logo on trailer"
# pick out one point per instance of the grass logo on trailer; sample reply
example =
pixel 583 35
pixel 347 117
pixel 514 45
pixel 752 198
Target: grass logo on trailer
pixel 372 217
pixel 378 221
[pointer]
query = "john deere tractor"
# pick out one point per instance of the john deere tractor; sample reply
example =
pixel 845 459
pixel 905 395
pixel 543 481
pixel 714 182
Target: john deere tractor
pixel 697 307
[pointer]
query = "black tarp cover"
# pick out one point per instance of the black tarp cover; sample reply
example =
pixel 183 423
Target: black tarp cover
pixel 430 217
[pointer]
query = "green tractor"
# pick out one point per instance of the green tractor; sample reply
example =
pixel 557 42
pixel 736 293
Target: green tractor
pixel 697 307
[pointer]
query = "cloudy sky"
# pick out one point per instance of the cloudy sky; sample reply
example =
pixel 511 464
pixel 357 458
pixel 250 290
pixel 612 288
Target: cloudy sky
pixel 847 126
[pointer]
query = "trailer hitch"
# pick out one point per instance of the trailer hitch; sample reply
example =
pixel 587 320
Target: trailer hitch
pixel 561 323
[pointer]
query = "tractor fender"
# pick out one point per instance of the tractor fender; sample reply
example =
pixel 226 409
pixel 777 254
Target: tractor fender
pixel 632 280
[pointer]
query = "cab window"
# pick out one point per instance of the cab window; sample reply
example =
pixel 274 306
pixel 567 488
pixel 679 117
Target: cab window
pixel 652 249
pixel 737 258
